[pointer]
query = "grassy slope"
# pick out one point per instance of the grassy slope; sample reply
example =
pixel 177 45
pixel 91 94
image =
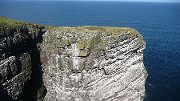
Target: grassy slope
pixel 11 23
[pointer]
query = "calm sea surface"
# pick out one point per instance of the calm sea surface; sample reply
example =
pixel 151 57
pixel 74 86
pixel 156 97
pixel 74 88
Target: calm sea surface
pixel 159 23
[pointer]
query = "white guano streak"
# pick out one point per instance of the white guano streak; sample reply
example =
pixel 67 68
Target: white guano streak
pixel 75 59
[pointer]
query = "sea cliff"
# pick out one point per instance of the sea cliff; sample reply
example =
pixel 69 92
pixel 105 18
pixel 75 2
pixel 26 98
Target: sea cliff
pixel 19 60
pixel 92 63
pixel 87 63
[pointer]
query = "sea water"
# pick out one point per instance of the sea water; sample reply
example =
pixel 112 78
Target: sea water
pixel 159 23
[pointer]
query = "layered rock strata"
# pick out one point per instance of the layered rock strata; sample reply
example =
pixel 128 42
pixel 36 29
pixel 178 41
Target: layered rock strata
pixel 86 63
pixel 93 64
pixel 17 44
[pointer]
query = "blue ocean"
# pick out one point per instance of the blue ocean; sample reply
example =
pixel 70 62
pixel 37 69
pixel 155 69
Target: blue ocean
pixel 159 23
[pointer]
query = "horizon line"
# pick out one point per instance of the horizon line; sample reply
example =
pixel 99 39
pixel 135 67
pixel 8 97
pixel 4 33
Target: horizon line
pixel 98 1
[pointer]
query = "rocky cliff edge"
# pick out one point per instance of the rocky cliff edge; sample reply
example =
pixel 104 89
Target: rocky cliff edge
pixel 87 63
pixel 20 68
pixel 91 63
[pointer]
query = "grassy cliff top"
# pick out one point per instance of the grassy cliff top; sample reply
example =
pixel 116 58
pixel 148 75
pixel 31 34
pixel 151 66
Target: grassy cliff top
pixel 112 31
pixel 115 31
pixel 88 39
pixel 11 23
pixel 108 30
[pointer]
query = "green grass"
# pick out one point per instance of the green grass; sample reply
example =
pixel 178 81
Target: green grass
pixel 113 31
pixel 93 29
pixel 94 34
pixel 90 37
pixel 11 23
pixel 110 31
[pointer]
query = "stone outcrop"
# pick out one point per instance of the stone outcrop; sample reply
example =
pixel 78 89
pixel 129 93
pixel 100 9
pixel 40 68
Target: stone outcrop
pixel 86 63
pixel 17 44
pixel 93 64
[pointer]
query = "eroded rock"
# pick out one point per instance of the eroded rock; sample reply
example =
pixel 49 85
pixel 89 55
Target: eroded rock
pixel 17 43
pixel 100 64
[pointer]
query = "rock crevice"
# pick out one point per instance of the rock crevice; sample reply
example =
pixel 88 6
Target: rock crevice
pixel 19 60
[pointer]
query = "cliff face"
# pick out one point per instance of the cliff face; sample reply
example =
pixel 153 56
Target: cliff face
pixel 78 63
pixel 17 46
pixel 93 64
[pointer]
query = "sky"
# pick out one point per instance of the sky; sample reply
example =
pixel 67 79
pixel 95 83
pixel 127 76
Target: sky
pixel 107 0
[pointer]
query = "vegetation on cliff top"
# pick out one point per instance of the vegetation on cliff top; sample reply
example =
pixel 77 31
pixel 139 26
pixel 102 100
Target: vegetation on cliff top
pixel 86 37
pixel 114 31
pixel 89 39
pixel 108 30
pixel 11 23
